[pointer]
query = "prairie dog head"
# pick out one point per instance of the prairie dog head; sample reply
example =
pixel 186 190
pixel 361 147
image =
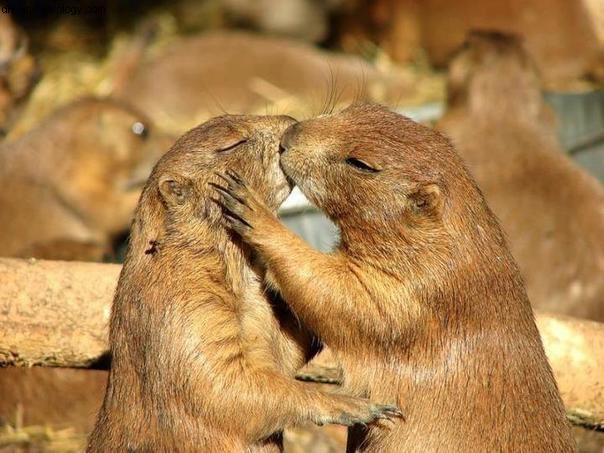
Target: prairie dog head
pixel 492 72
pixel 97 155
pixel 245 143
pixel 369 168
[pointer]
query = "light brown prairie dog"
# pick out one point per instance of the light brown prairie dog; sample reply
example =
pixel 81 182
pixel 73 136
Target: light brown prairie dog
pixel 422 301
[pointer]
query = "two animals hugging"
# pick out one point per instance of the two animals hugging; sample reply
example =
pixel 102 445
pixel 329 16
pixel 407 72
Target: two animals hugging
pixel 219 304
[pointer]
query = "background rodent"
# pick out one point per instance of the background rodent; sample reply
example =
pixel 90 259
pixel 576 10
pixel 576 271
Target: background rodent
pixel 76 177
pixel 551 210
pixel 422 301
pixel 236 72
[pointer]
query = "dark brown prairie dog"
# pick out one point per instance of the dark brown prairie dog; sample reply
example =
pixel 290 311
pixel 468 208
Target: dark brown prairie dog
pixel 66 188
pixel 202 358
pixel 236 72
pixel 551 210
pixel 422 301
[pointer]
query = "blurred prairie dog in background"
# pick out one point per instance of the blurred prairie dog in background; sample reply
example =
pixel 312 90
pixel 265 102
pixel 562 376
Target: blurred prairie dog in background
pixel 73 182
pixel 235 72
pixel 551 210
pixel 307 20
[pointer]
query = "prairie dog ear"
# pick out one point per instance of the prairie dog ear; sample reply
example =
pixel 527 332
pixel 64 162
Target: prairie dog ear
pixel 175 190
pixel 427 199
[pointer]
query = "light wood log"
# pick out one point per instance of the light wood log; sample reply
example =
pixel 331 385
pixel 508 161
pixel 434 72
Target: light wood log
pixel 575 349
pixel 56 314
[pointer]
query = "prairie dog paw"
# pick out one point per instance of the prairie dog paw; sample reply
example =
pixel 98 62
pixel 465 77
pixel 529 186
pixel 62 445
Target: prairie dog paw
pixel 350 411
pixel 241 207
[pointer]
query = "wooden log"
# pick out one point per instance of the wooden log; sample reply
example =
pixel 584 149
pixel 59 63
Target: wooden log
pixel 56 314
pixel 575 349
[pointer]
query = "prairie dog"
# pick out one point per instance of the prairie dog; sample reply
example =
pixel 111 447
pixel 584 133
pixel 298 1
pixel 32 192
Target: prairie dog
pixel 422 301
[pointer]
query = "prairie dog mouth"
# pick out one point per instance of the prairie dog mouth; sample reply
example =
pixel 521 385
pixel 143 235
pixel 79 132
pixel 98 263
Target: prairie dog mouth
pixel 282 191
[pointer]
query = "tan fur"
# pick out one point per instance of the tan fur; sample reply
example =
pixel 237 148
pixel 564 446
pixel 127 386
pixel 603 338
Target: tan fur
pixel 237 72
pixel 306 20
pixel 76 178
pixel 202 356
pixel 67 188
pixel 422 301
pixel 552 211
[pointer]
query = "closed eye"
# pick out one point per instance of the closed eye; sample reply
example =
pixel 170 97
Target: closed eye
pixel 232 146
pixel 361 165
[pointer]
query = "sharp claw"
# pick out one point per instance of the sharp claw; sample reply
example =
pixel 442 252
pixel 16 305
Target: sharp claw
pixel 232 174
pixel 392 412
pixel 233 216
pixel 224 178
pixel 218 186
pixel 225 191
pixel 218 201
pixel 397 413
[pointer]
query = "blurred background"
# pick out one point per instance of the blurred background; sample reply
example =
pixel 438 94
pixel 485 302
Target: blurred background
pixel 398 54
pixel 93 92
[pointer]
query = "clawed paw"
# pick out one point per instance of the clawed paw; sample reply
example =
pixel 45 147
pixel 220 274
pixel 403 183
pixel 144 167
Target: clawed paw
pixel 360 411
pixel 238 203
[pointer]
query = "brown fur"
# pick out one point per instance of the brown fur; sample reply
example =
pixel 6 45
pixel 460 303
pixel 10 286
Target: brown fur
pixel 202 358
pixel 565 38
pixel 75 179
pixel 18 71
pixel 67 188
pixel 422 301
pixel 226 72
pixel 552 211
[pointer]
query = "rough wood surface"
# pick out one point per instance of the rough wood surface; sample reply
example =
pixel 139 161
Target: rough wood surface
pixel 575 349
pixel 56 314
